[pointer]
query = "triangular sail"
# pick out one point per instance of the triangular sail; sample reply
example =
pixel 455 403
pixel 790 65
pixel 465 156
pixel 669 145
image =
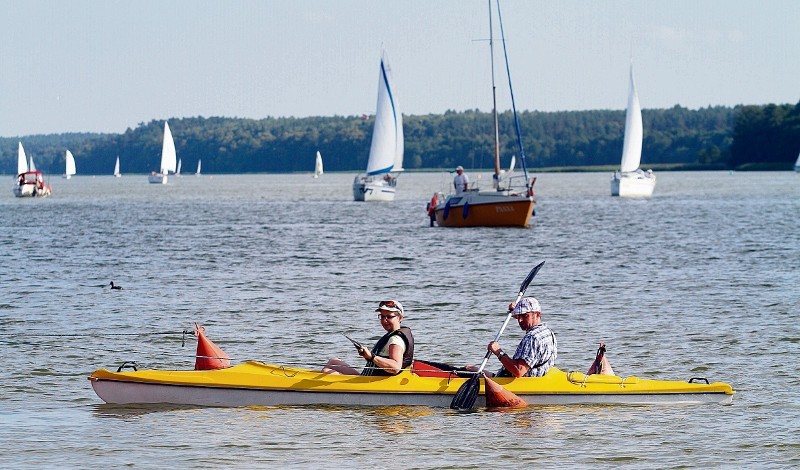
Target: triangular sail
pixel 116 168
pixel 318 165
pixel 198 167
pixel 386 151
pixel 178 171
pixel 168 156
pixel 632 146
pixel 31 166
pixel 22 160
pixel 797 164
pixel 70 166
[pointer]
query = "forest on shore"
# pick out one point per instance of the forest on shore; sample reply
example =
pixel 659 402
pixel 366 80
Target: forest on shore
pixel 754 137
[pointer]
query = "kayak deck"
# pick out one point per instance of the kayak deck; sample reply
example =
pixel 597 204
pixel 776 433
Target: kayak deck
pixel 255 383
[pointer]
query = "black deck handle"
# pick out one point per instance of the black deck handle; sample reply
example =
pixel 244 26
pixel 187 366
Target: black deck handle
pixel 128 365
pixel 691 381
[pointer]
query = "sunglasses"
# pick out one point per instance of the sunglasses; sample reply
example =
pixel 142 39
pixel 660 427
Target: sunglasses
pixel 387 303
pixel 387 317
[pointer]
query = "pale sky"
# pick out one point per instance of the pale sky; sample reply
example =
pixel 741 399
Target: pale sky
pixel 104 66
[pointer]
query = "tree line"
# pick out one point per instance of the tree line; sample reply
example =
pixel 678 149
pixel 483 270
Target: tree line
pixel 760 137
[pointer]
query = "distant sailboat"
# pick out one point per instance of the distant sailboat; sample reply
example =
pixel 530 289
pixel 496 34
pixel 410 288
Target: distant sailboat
pixel 116 168
pixel 197 173
pixel 178 171
pixel 168 158
pixel 29 181
pixel 797 165
pixel 386 151
pixel 630 180
pixel 318 166
pixel 70 165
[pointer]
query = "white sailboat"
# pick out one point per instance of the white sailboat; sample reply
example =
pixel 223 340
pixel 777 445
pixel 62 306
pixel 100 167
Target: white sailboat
pixel 318 166
pixel 386 152
pixel 70 165
pixel 168 158
pixel 797 165
pixel 116 168
pixel 197 173
pixel 29 181
pixel 630 180
pixel 178 171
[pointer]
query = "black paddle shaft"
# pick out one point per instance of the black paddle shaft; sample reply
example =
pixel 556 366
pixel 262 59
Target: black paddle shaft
pixel 465 397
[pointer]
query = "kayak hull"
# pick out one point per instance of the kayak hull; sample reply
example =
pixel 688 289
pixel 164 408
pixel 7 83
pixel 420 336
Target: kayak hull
pixel 257 384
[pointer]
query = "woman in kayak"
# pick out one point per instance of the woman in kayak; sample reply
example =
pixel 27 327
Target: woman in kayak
pixel 391 354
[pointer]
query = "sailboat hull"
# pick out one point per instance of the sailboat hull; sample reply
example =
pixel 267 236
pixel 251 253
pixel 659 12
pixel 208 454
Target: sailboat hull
pixel 158 178
pixel 485 209
pixel 374 188
pixel 633 184
pixel 374 191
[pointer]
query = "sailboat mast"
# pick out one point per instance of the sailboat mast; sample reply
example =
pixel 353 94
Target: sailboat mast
pixel 513 104
pixel 496 178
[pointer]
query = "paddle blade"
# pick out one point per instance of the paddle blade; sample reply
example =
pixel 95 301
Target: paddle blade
pixel 464 398
pixel 499 397
pixel 524 286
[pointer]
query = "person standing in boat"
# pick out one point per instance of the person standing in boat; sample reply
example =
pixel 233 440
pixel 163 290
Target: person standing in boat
pixel 391 354
pixel 461 180
pixel 538 350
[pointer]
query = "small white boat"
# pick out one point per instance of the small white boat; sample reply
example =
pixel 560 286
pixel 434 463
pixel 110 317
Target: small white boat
pixel 70 165
pixel 630 180
pixel 318 166
pixel 168 159
pixel 178 171
pixel 197 173
pixel 797 165
pixel 116 168
pixel 379 183
pixel 29 181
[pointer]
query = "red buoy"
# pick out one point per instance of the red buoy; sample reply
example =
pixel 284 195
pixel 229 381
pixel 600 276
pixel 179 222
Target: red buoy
pixel 499 397
pixel 209 356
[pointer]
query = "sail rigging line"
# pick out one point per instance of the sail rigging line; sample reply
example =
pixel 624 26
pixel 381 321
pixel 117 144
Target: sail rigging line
pixel 513 104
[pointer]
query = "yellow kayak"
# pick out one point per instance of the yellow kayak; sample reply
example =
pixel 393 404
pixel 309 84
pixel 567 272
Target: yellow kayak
pixel 256 383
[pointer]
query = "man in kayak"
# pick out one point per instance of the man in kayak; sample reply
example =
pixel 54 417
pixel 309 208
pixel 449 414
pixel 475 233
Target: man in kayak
pixel 391 354
pixel 537 351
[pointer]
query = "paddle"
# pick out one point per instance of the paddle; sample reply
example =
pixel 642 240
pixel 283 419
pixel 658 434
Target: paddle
pixel 465 397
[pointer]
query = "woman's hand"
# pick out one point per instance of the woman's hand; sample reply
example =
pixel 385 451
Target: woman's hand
pixel 363 352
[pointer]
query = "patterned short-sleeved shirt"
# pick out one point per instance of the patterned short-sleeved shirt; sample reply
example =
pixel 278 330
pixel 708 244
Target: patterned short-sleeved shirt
pixel 539 348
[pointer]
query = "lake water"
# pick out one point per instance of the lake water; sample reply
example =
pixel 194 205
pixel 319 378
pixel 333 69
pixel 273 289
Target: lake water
pixel 700 280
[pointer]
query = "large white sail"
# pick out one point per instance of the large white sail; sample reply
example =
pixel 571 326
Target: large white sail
pixel 116 168
pixel 386 151
pixel 168 156
pixel 31 166
pixel 70 165
pixel 22 160
pixel 632 146
pixel 318 165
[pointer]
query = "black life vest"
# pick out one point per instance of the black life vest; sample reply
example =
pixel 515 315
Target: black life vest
pixel 408 355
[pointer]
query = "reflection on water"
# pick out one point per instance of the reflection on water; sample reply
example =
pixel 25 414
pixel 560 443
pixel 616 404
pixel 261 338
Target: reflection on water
pixel 701 279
